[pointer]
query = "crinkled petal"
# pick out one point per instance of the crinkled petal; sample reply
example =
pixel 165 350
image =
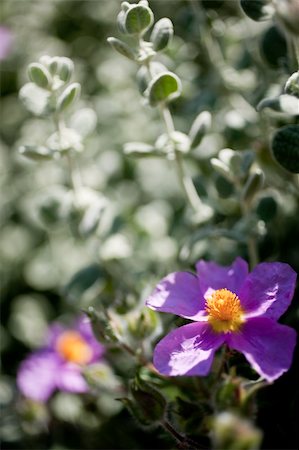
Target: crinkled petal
pixel 84 328
pixel 178 293
pixel 70 379
pixel 268 346
pixel 268 290
pixel 188 350
pixel 212 276
pixel 36 378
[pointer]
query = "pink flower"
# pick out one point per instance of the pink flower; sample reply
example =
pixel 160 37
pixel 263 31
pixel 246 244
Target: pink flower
pixel 6 40
pixel 227 306
pixel 59 364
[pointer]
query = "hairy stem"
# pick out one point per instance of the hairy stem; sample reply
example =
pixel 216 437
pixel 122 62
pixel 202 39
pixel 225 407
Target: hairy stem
pixel 185 181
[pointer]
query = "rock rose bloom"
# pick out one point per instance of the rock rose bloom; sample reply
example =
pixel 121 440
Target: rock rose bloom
pixel 228 306
pixel 59 364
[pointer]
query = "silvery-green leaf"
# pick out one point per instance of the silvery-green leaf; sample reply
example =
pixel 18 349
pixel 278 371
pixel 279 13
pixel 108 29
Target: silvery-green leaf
pixel 287 12
pixel 68 97
pixel 164 88
pixel 253 185
pixel 199 128
pixel 140 149
pixel 162 34
pixel 82 281
pixel 65 69
pixel 35 99
pixel 285 147
pixel 39 75
pixel 121 47
pixel 65 140
pixel 83 121
pixel 222 168
pixel 138 19
pixel 36 152
pixel 258 9
pixel 292 85
pixel 285 103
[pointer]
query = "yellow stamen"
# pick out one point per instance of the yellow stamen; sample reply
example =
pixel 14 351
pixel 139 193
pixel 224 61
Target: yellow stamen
pixel 225 313
pixel 73 347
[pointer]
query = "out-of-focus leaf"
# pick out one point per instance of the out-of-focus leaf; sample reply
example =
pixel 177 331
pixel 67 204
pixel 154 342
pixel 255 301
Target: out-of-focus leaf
pixel 35 99
pixel 287 104
pixel 285 147
pixel 162 34
pixel 83 280
pixel 258 10
pixel 83 121
pixel 36 152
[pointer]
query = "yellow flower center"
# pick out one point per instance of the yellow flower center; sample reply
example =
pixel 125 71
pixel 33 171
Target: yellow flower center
pixel 224 311
pixel 73 348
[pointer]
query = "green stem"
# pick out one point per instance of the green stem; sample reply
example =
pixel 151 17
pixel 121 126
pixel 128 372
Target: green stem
pixel 185 181
pixel 74 174
pixel 296 49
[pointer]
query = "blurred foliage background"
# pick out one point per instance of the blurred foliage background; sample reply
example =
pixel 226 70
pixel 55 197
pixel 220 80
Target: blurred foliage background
pixel 49 269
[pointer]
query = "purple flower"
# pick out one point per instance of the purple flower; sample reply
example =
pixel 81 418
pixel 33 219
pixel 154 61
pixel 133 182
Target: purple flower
pixel 6 39
pixel 228 306
pixel 59 364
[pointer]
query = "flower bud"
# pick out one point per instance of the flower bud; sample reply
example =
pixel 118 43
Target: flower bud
pixel 142 324
pixel 149 404
pixel 231 432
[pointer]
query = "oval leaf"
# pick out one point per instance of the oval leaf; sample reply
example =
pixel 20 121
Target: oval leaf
pixel 164 88
pixel 68 97
pixel 162 34
pixel 138 19
pixel 257 10
pixel 285 147
pixel 39 75
pixel 121 48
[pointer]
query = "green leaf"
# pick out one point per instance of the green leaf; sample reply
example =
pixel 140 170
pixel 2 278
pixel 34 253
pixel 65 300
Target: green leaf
pixel 138 19
pixel 39 75
pixel 164 88
pixel 36 152
pixel 140 149
pixel 68 97
pixel 83 280
pixel 253 185
pixel 121 48
pixel 274 47
pixel 84 121
pixel 287 104
pixel 285 147
pixel 292 85
pixel 199 128
pixel 35 99
pixel 257 10
pixel 162 34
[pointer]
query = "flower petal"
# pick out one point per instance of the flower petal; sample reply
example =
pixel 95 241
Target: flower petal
pixel 267 346
pixel 268 290
pixel 188 350
pixel 84 328
pixel 178 293
pixel 213 277
pixel 36 377
pixel 70 379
